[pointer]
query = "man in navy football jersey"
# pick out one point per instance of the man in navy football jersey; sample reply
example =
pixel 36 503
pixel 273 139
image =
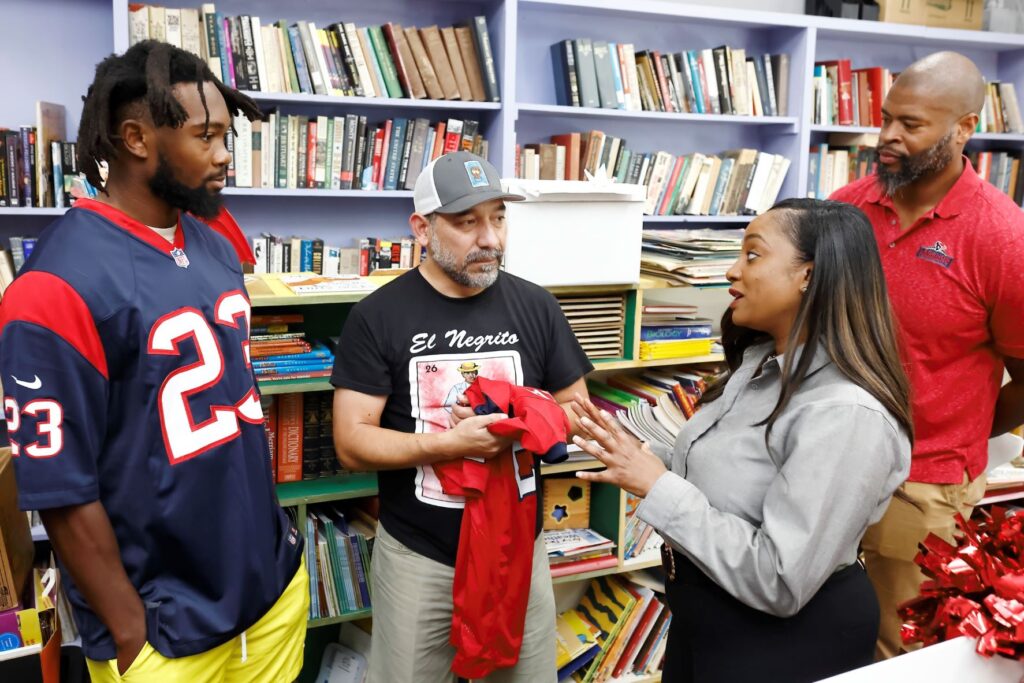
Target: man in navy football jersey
pixel 131 405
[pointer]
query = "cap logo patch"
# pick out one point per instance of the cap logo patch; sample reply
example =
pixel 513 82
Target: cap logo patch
pixel 477 177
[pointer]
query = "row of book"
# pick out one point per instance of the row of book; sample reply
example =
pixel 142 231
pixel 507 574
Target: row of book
pixel 721 80
pixel 343 152
pixel 846 96
pixel 13 258
pixel 276 254
pixel 450 63
pixel 1001 168
pixel 38 167
pixel 736 182
pixel 699 257
pixel 846 157
pixel 300 436
pixel 339 549
pixel 849 157
pixel 597 322
pixel 620 627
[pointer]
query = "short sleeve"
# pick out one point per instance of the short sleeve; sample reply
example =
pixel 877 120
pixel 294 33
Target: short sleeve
pixel 359 362
pixel 565 361
pixel 1004 292
pixel 55 384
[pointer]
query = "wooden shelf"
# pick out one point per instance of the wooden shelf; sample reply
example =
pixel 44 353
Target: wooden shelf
pixel 571 466
pixel 376 102
pixel 604 365
pixel 348 616
pixel 341 487
pixel 654 116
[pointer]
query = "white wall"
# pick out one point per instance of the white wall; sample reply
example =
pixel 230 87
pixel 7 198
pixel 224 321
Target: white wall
pixel 794 6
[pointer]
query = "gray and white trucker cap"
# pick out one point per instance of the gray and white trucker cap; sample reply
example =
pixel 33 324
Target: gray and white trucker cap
pixel 457 182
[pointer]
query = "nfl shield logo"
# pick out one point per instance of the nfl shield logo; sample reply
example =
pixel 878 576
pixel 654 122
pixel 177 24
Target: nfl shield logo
pixel 179 257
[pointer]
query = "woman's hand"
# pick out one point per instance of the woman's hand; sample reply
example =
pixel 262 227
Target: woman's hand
pixel 631 464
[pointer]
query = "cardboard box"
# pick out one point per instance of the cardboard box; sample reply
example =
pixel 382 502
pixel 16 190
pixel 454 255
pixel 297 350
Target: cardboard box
pixel 967 14
pixel 16 549
pixel 962 14
pixel 566 503
pixel 902 11
pixel 575 232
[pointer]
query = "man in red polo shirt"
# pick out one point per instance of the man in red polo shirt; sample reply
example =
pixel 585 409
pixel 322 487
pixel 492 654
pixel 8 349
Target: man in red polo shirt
pixel 951 247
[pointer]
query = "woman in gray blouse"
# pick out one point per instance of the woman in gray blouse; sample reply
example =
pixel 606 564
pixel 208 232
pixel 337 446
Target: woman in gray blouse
pixel 792 455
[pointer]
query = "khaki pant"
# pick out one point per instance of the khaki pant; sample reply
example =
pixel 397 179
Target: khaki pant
pixel 890 546
pixel 412 619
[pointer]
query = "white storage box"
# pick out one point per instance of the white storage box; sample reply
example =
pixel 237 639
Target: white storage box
pixel 574 232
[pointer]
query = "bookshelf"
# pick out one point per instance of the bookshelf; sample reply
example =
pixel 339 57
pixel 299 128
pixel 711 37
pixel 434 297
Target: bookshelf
pixel 79 33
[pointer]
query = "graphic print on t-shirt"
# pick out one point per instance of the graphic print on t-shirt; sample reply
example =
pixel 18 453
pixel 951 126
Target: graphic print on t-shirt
pixel 434 384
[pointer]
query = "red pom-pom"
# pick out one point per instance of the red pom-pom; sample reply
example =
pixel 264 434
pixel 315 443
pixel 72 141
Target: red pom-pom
pixel 976 587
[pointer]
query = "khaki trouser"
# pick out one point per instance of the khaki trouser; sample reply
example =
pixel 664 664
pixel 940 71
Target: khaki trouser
pixel 412 619
pixel 889 546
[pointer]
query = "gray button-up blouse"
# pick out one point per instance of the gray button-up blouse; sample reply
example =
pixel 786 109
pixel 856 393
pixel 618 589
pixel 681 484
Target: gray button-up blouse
pixel 770 525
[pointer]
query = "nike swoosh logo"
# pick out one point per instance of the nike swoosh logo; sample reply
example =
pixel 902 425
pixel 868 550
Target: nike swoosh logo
pixel 36 383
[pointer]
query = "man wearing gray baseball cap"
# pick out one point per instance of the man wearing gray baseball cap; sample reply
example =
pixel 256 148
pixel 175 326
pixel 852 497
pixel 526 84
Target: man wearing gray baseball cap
pixel 402 351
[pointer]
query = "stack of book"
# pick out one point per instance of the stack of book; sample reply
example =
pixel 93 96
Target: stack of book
pixel 736 182
pixel 696 257
pixel 673 336
pixel 573 551
pixel 338 553
pixel 342 152
pixel 300 434
pixel 628 622
pixel 280 351
pixel 654 403
pixel 597 322
pixel 721 80
pixel 844 158
pixel 450 63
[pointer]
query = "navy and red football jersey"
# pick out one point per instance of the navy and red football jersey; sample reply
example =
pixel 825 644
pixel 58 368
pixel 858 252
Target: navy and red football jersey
pixel 125 364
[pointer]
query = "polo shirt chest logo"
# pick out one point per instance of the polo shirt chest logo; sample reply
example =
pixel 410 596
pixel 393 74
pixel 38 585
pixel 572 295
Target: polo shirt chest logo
pixel 936 254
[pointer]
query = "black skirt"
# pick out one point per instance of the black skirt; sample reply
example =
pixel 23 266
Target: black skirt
pixel 715 638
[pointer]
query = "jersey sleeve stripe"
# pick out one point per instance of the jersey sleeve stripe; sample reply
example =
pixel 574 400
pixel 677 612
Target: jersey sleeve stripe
pixel 48 301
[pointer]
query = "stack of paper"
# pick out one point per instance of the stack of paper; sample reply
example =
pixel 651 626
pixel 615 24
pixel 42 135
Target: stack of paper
pixel 597 322
pixel 699 257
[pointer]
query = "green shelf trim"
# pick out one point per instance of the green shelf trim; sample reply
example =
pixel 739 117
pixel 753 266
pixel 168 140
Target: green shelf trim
pixel 348 616
pixel 294 386
pixel 343 487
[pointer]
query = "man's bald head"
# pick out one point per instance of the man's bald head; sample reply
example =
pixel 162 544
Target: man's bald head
pixel 946 80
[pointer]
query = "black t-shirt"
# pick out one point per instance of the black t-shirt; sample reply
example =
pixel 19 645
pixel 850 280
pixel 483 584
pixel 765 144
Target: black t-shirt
pixel 409 342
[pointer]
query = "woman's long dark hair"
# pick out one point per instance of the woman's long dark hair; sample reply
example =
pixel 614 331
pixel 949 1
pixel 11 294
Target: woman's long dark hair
pixel 845 310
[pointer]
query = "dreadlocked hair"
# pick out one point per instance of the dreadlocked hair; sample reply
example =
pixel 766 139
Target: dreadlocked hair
pixel 144 75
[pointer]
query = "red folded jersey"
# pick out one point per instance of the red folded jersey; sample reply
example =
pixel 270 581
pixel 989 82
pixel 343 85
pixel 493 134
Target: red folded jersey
pixel 493 566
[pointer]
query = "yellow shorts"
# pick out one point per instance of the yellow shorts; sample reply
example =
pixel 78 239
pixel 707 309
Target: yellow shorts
pixel 268 652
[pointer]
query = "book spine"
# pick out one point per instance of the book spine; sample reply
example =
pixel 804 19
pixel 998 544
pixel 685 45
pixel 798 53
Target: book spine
pixel 483 44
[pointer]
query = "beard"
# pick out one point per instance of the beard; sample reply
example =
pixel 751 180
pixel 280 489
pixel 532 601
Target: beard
pixel 915 166
pixel 195 200
pixel 459 271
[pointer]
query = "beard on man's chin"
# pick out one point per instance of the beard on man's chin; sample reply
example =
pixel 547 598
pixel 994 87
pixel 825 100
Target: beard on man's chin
pixel 195 200
pixel 912 167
